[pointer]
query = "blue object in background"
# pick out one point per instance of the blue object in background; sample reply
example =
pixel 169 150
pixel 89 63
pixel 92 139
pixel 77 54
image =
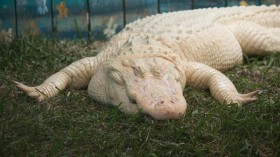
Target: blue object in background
pixel 207 3
pixel 106 18
pixel 42 7
pixel 175 5
pixel 99 19
pixel 30 21
pixel 137 9
pixel 70 18
pixel 6 14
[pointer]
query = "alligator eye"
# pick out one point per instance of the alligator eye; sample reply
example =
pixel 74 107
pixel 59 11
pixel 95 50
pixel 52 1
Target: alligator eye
pixel 139 72
pixel 116 76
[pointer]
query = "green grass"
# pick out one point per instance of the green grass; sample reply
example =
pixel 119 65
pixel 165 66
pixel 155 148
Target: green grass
pixel 72 124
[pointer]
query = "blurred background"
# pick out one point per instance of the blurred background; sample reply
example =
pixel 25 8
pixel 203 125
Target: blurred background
pixel 91 19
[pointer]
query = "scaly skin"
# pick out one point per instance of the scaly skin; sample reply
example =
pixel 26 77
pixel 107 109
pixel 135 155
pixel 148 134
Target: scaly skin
pixel 147 65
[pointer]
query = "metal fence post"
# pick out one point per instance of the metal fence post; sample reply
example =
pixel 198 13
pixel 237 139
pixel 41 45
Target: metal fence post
pixel 88 19
pixel 16 18
pixel 124 12
pixel 52 17
pixel 192 4
pixel 158 6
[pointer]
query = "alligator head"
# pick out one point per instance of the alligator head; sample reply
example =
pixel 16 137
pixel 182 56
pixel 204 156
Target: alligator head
pixel 149 83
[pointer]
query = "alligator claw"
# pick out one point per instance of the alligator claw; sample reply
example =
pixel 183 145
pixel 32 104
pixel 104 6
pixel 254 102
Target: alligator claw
pixel 243 99
pixel 31 91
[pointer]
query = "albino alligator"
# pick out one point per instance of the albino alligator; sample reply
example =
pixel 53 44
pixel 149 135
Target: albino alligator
pixel 146 66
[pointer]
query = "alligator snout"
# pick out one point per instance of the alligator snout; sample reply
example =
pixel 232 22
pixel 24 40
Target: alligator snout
pixel 167 108
pixel 161 99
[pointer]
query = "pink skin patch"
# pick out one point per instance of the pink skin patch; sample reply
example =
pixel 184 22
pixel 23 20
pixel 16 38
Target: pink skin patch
pixel 159 98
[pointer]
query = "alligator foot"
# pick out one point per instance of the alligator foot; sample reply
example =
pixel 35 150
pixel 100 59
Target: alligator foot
pixel 244 99
pixel 31 91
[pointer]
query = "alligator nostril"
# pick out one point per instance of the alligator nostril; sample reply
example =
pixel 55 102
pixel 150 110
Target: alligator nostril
pixel 132 101
pixel 162 102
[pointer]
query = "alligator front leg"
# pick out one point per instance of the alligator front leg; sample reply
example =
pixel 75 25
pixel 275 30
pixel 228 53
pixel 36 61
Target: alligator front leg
pixel 222 89
pixel 76 75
